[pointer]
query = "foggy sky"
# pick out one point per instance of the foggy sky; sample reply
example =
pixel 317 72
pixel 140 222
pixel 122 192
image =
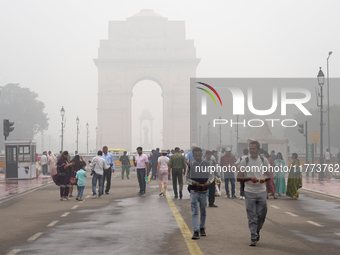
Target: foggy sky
pixel 49 47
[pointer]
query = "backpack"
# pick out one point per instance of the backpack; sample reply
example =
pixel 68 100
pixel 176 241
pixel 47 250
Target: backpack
pixel 247 160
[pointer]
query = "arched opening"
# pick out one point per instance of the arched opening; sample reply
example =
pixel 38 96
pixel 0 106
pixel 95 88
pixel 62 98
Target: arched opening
pixel 147 115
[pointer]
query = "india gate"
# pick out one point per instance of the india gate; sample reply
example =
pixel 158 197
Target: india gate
pixel 145 46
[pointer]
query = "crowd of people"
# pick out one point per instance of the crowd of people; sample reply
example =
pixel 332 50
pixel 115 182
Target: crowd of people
pixel 203 187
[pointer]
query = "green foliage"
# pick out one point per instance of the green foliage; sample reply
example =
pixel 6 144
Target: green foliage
pixel 314 125
pixel 21 106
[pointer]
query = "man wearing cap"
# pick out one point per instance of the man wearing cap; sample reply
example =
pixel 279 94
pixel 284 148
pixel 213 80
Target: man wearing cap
pixel 228 160
pixel 178 165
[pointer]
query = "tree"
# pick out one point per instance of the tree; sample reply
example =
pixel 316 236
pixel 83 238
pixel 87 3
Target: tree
pixel 21 106
pixel 314 125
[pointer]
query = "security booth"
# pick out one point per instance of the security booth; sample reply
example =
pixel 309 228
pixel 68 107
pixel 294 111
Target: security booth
pixel 20 159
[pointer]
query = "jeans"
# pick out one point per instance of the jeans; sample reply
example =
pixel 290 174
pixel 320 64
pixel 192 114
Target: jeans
pixel 241 189
pixel 107 175
pixel 125 168
pixel 198 204
pixel 81 191
pixel 177 174
pixel 94 184
pixel 232 181
pixel 256 206
pixel 44 169
pixel 141 179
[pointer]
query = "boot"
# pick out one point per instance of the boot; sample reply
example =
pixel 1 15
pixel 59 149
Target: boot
pixel 180 195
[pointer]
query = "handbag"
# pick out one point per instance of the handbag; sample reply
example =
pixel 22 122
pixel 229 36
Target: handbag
pixel 73 180
pixel 61 173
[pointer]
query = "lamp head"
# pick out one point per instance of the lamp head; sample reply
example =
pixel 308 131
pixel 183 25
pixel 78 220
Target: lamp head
pixel 87 125
pixel 330 53
pixel 62 111
pixel 77 120
pixel 321 78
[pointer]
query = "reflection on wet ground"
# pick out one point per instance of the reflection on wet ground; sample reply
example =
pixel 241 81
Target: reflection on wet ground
pixel 138 225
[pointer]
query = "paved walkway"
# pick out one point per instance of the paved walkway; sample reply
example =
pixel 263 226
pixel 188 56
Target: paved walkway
pixel 331 186
pixel 12 187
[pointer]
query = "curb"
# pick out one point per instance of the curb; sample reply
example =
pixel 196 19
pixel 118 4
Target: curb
pixel 322 193
pixel 25 190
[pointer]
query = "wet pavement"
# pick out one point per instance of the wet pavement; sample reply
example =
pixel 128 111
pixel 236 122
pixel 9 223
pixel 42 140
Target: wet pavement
pixel 13 187
pixel 331 186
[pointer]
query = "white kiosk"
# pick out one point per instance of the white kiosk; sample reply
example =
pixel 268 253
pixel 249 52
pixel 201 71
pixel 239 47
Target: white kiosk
pixel 20 159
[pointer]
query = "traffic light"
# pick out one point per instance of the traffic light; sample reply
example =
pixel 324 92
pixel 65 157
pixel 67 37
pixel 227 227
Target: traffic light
pixel 8 128
pixel 301 130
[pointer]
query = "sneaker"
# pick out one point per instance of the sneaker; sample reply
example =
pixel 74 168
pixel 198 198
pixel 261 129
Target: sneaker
pixel 139 194
pixel 241 197
pixel 160 193
pixel 253 243
pixel 234 196
pixel 106 193
pixel 63 199
pixel 77 198
pixel 196 236
pixel 144 195
pixel 202 232
pixel 80 199
pixel 94 196
pixel 213 205
pixel 67 198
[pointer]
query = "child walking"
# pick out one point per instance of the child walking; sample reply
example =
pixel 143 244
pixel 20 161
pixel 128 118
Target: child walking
pixel 81 175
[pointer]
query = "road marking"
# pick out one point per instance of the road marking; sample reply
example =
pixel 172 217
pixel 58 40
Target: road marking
pixel 65 214
pixel 337 234
pixel 192 245
pixel 276 207
pixel 53 223
pixel 314 223
pixel 32 238
pixel 292 214
pixel 15 251
pixel 75 207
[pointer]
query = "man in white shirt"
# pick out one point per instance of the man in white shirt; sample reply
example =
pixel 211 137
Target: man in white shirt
pixel 98 165
pixel 254 176
pixel 43 160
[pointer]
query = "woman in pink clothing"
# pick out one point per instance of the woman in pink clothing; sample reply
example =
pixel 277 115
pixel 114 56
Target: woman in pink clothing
pixel 163 172
pixel 52 163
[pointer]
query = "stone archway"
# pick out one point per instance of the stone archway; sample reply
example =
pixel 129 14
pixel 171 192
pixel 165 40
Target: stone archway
pixel 145 47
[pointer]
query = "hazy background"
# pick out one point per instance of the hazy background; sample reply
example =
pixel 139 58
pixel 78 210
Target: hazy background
pixel 49 47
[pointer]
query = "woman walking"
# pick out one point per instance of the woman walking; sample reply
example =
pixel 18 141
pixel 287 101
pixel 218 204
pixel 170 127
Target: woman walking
pixel 294 182
pixel 279 175
pixel 163 172
pixel 62 178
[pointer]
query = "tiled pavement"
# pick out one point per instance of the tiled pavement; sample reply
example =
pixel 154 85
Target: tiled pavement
pixel 331 186
pixel 12 187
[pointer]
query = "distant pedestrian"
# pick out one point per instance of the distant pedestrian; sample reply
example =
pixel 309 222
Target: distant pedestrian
pixel 62 179
pixel 212 186
pixel 254 177
pixel 108 171
pixel 190 156
pixel 43 160
pixel 245 154
pixel 163 172
pixel 81 182
pixel 98 164
pixel 198 185
pixel 228 160
pixel 178 165
pixel 216 158
pixel 52 161
pixel 141 163
pixel 328 156
pixel 155 157
pixel 270 184
pixel 125 165
pixel 294 182
pixel 272 155
pixel 48 165
pixel 279 175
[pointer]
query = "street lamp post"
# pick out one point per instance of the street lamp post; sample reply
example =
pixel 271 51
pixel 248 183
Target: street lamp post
pixel 321 79
pixel 96 138
pixel 87 138
pixel 220 132
pixel 77 121
pixel 62 113
pixel 208 135
pixel 237 134
pixel 328 109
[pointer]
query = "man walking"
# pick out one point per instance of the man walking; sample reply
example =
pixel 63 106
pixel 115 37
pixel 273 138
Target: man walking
pixel 141 163
pixel 98 164
pixel 211 160
pixel 43 160
pixel 253 175
pixel 111 169
pixel 228 160
pixel 155 157
pixel 178 165
pixel 190 155
pixel 198 183
pixel 125 165
pixel 237 163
